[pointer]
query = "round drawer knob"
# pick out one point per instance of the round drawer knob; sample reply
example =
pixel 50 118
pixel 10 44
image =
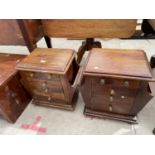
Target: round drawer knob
pixel 112 92
pixel 110 107
pixel 13 94
pixel 102 81
pixel 126 83
pixel 122 97
pixel 17 101
pixel 31 75
pixel 49 98
pixel 46 90
pixel 44 84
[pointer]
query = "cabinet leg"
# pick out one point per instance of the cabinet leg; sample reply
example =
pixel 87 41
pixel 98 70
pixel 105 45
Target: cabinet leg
pixel 48 41
pixel 152 61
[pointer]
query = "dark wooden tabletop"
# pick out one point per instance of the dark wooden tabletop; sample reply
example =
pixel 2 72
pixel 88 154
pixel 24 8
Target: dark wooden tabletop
pixel 47 60
pixel 119 62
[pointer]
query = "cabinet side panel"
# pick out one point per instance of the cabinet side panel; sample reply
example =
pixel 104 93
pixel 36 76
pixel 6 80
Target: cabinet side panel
pixel 142 98
pixel 86 90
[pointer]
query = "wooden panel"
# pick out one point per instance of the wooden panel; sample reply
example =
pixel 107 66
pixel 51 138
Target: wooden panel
pixel 13 99
pixel 102 103
pixel 31 76
pixel 47 60
pixel 34 29
pixel 7 66
pixel 10 33
pixel 90 28
pixel 118 62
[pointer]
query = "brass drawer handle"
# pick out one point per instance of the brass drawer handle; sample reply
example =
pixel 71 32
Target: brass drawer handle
pixel 112 92
pixel 126 83
pixel 123 97
pixel 46 90
pixel 17 101
pixel 44 84
pixel 49 98
pixel 31 74
pixel 102 81
pixel 110 107
pixel 13 94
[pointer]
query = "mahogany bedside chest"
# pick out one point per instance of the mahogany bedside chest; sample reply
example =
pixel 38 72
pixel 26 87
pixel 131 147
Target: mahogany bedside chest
pixel 13 97
pixel 115 83
pixel 51 75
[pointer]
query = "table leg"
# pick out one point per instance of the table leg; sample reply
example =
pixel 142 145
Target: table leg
pixel 87 45
pixel 48 41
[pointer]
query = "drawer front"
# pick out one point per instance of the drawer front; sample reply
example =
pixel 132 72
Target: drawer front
pixel 129 84
pixel 112 95
pixel 106 86
pixel 112 104
pixel 55 97
pixel 101 82
pixel 46 85
pixel 45 88
pixel 36 75
pixel 121 105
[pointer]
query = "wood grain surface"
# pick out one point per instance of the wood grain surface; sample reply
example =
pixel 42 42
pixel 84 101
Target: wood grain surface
pixel 118 62
pixel 7 66
pixel 47 60
pixel 90 28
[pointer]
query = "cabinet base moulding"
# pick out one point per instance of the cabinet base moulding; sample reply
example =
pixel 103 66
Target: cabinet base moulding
pixel 63 106
pixel 104 115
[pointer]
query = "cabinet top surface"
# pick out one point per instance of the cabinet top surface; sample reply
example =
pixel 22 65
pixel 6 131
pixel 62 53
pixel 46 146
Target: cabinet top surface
pixel 47 60
pixel 118 62
pixel 8 63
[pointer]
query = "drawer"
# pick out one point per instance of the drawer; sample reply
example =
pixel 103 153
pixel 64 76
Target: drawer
pixel 36 75
pixel 108 90
pixel 121 92
pixel 51 97
pixel 101 90
pixel 131 84
pixel 100 86
pixel 112 104
pixel 46 91
pixel 43 85
pixel 100 82
pixel 121 106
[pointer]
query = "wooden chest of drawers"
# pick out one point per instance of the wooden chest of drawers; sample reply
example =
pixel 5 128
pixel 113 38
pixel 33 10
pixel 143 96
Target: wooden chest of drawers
pixel 13 97
pixel 50 75
pixel 115 83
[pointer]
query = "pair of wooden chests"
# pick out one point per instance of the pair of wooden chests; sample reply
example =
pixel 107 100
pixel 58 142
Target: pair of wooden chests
pixel 112 82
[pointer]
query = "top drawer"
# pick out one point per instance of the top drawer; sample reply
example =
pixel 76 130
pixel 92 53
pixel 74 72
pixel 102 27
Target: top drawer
pixel 36 75
pixel 123 83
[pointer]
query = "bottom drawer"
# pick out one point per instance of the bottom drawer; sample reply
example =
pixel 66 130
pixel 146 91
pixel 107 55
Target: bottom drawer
pixel 115 105
pixel 121 106
pixel 55 98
